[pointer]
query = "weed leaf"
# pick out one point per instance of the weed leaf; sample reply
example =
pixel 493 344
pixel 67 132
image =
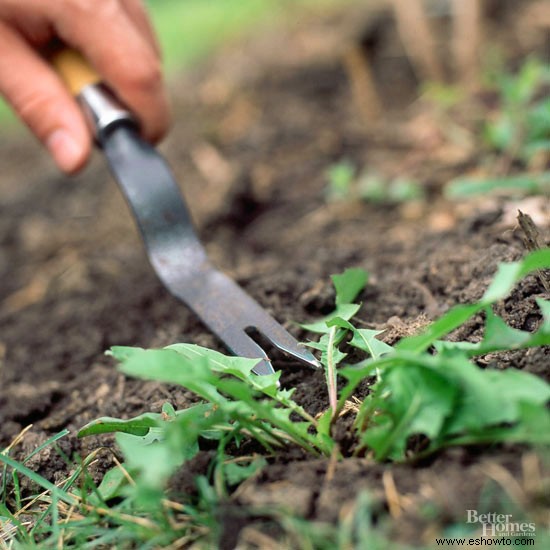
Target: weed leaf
pixel 139 425
pixel 446 398
pixel 526 183
pixel 410 399
pixel 343 311
pixel 112 485
pixel 349 284
pixel 506 277
pixel 365 340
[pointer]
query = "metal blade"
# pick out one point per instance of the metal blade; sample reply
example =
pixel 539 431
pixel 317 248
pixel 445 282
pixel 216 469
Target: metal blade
pixel 180 260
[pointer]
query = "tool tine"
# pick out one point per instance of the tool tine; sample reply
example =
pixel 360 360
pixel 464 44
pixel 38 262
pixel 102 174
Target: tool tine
pixel 243 345
pixel 281 339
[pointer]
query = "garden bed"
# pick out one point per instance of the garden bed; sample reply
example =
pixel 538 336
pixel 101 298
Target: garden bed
pixel 253 148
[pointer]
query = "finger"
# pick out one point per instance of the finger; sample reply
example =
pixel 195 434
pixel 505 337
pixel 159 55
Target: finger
pixel 42 101
pixel 138 14
pixel 108 38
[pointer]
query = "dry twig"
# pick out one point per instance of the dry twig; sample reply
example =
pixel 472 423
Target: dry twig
pixel 393 498
pixel 363 84
pixel 417 38
pixel 467 31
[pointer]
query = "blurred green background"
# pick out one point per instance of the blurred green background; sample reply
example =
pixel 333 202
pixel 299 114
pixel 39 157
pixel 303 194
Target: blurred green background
pixel 190 30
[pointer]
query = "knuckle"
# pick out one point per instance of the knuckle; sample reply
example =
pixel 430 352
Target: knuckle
pixel 97 8
pixel 145 76
pixel 157 125
pixel 38 110
pixel 31 103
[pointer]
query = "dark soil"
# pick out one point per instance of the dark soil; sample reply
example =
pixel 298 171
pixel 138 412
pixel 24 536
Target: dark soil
pixel 254 136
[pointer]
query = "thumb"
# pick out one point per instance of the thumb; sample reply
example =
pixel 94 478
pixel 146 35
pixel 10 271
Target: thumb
pixel 41 100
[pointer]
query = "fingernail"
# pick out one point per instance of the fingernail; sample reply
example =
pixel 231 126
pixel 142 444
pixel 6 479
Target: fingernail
pixel 66 151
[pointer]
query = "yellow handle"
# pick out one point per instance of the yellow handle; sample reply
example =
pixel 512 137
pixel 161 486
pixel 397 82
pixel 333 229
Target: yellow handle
pixel 75 71
pixel 100 106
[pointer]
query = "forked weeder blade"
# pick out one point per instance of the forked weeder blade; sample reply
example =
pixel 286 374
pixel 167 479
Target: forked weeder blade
pixel 305 357
pixel 263 368
pixel 285 342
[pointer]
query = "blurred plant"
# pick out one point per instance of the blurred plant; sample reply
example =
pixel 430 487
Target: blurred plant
pixel 341 178
pixel 521 127
pixel 523 184
pixel 445 96
pixel 518 131
pixel 374 188
pixel 345 185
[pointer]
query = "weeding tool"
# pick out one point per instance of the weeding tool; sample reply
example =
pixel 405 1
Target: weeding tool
pixel 173 248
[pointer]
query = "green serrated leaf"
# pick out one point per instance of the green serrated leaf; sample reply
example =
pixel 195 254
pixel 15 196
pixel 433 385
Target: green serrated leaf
pixel 240 367
pixel 533 426
pixel 365 340
pixel 466 402
pixel 168 365
pixel 411 399
pixel 219 362
pixel 500 337
pixel 205 373
pixel 490 398
pixel 343 311
pixel 323 345
pixel 349 284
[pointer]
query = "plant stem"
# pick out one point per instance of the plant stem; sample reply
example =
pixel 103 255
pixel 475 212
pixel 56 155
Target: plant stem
pixel 331 373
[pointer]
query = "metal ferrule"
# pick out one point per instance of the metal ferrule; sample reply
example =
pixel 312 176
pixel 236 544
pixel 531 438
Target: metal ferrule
pixel 102 110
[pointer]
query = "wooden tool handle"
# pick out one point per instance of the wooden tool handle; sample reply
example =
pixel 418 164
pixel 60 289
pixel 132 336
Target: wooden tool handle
pixel 75 71
pixel 101 107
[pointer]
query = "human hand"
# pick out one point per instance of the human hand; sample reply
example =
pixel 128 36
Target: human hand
pixel 117 39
